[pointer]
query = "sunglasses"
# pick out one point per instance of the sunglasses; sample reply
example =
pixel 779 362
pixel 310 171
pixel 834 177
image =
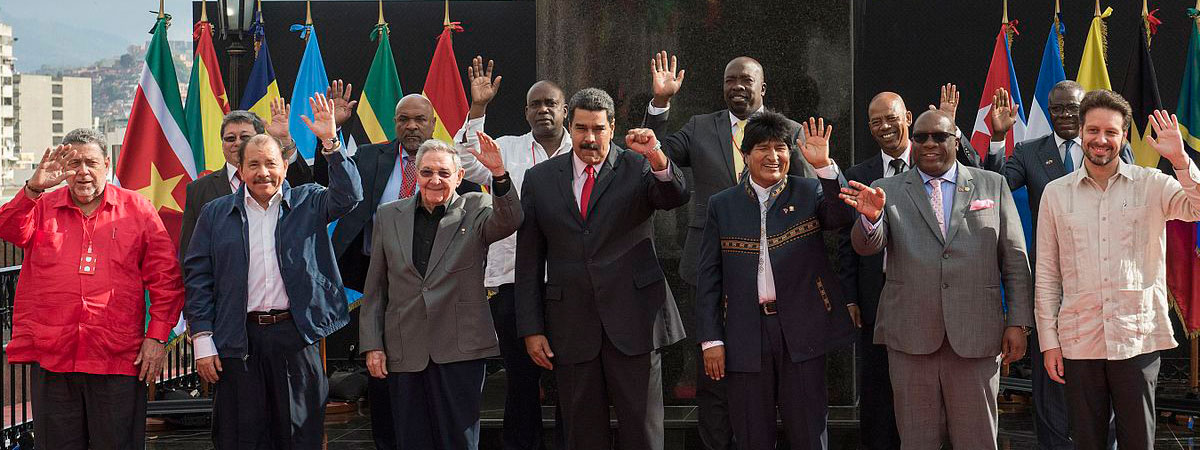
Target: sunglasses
pixel 939 137
pixel 444 174
pixel 234 138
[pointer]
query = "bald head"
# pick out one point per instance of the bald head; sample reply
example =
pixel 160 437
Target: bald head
pixel 934 142
pixel 415 122
pixel 545 108
pixel 889 120
pixel 745 86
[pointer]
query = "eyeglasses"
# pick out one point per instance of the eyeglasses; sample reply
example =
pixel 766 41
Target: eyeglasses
pixel 1064 109
pixel 940 137
pixel 444 174
pixel 234 138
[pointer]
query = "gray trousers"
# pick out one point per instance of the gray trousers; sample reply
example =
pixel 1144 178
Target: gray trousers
pixel 78 411
pixel 944 397
pixel 1126 386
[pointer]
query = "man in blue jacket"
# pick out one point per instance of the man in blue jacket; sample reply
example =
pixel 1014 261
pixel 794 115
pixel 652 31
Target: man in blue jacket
pixel 263 286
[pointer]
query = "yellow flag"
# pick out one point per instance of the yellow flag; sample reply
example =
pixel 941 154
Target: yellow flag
pixel 1093 69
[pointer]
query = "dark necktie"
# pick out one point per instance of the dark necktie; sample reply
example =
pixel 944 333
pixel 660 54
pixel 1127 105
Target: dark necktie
pixel 586 194
pixel 408 185
pixel 897 166
pixel 1068 161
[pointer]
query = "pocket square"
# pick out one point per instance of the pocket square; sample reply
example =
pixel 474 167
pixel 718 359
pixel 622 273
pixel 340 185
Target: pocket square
pixel 977 205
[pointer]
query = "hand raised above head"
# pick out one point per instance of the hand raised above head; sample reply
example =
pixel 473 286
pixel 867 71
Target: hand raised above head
pixel 1003 114
pixel 52 170
pixel 1167 139
pixel 665 81
pixel 343 108
pixel 322 124
pixel 814 144
pixel 483 86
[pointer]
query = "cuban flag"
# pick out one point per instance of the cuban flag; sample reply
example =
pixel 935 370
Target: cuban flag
pixel 1050 74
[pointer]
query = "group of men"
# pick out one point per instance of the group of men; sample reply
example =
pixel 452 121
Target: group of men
pixel 554 268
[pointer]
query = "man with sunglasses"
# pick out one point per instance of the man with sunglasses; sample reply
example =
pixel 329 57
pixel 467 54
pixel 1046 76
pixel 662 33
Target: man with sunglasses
pixel 953 242
pixel 545 108
pixel 426 324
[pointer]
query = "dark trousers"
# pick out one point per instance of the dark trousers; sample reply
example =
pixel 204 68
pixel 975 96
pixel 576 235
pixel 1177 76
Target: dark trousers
pixel 634 386
pixel 522 402
pixel 712 397
pixel 438 407
pixel 78 411
pixel 275 398
pixel 1050 422
pixel 877 414
pixel 1125 387
pixel 798 388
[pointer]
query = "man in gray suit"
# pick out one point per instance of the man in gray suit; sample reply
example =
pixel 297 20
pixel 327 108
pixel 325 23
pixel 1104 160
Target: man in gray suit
pixel 954 240
pixel 426 325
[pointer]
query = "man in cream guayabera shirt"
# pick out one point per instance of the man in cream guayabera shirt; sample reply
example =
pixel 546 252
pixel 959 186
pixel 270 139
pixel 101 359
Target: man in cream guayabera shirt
pixel 1101 293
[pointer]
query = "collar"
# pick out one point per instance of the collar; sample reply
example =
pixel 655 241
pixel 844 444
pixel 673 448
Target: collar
pixel 564 146
pixel 733 120
pixel 65 201
pixel 951 176
pixel 887 159
pixel 764 193
pixel 1058 141
pixel 1123 169
pixel 421 207
pixel 275 199
pixel 577 165
pixel 230 170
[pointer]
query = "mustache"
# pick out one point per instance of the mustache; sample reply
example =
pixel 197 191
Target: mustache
pixel 413 134
pixel 589 146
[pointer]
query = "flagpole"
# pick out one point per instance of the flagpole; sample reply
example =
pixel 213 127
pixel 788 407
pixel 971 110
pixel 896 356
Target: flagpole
pixel 1057 7
pixel 204 10
pixel 161 9
pixel 381 22
pixel 1097 8
pixel 308 11
pixel 446 20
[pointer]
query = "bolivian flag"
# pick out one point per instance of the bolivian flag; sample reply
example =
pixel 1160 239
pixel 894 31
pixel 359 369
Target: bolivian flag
pixel 381 92
pixel 206 101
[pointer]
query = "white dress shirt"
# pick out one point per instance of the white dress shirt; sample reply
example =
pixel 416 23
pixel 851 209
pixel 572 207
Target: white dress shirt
pixel 664 175
pixel 264 283
pixel 887 161
pixel 995 149
pixel 231 174
pixel 766 277
pixel 391 191
pixel 520 153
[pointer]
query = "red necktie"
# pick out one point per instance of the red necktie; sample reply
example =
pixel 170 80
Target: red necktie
pixel 408 185
pixel 587 191
pixel 236 181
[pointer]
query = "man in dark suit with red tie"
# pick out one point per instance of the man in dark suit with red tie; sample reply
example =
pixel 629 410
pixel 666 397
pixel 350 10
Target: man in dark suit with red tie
pixel 592 301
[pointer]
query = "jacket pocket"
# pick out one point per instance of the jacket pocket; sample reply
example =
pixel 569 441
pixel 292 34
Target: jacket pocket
pixel 475 329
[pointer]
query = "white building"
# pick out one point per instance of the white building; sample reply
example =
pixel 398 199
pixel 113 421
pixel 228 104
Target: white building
pixel 8 118
pixel 47 108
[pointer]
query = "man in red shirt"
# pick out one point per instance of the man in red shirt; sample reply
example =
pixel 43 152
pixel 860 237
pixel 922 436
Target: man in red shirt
pixel 91 250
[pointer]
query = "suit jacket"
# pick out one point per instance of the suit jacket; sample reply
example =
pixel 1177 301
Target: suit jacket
pixel 216 184
pixel 705 143
pixel 949 288
pixel 578 279
pixel 808 296
pixel 444 315
pixel 215 273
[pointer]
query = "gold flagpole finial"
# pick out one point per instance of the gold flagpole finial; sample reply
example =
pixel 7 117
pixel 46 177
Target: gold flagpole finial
pixel 162 12
pixel 308 12
pixel 258 4
pixel 1005 18
pixel 1145 11
pixel 1097 8
pixel 204 10
pixel 381 22
pixel 1057 7
pixel 446 21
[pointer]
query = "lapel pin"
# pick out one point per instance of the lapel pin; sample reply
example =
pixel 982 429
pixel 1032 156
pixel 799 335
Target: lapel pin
pixel 789 209
pixel 1049 162
pixel 964 189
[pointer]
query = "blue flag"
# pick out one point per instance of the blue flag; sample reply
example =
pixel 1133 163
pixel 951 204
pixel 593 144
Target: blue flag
pixel 310 79
pixel 262 88
pixel 1051 73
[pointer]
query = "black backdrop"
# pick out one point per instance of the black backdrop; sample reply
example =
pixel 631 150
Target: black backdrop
pixel 913 47
pixel 500 30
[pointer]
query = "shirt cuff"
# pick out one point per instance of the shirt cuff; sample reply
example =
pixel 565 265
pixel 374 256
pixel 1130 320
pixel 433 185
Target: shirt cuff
pixel 710 344
pixel 995 148
pixel 829 172
pixel 203 346
pixel 664 175
pixel 654 110
pixel 868 225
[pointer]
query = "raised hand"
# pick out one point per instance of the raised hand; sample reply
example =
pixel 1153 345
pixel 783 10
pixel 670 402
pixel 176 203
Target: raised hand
pixel 278 128
pixel 342 106
pixel 867 200
pixel 489 154
pixel 1167 139
pixel 483 87
pixel 814 144
pixel 1003 114
pixel 643 141
pixel 52 170
pixel 322 124
pixel 665 81
pixel 948 100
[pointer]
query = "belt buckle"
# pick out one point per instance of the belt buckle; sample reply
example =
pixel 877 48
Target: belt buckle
pixel 769 308
pixel 265 319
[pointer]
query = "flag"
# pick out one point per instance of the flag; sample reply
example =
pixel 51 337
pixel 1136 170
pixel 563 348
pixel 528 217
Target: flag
pixel 262 88
pixel 1183 255
pixel 381 92
pixel 310 79
pixel 1093 70
pixel 1002 75
pixel 156 159
pixel 206 102
pixel 1141 90
pixel 1050 74
pixel 444 87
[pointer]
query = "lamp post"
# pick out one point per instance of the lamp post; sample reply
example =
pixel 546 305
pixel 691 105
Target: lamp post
pixel 236 18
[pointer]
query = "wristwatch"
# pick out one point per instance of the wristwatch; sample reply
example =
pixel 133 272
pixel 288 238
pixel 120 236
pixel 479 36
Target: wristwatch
pixel 331 144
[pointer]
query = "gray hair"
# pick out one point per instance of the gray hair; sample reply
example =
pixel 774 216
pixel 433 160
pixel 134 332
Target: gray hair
pixel 81 136
pixel 243 116
pixel 591 99
pixel 436 146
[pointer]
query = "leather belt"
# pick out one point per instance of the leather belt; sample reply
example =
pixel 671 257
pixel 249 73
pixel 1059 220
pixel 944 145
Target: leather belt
pixel 268 318
pixel 768 308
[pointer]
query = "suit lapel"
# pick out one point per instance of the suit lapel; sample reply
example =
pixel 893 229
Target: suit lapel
pixel 566 186
pixel 605 177
pixel 221 183
pixel 725 136
pixel 404 228
pixel 916 193
pixel 383 171
pixel 964 194
pixel 1051 161
pixel 448 228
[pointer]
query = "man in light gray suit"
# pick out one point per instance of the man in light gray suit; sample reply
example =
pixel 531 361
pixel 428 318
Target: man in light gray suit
pixel 953 241
pixel 426 324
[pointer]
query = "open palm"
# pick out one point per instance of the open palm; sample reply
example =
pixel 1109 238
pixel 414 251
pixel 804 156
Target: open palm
pixel 815 143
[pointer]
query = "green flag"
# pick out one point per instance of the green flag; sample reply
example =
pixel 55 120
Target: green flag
pixel 381 92
pixel 1188 110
